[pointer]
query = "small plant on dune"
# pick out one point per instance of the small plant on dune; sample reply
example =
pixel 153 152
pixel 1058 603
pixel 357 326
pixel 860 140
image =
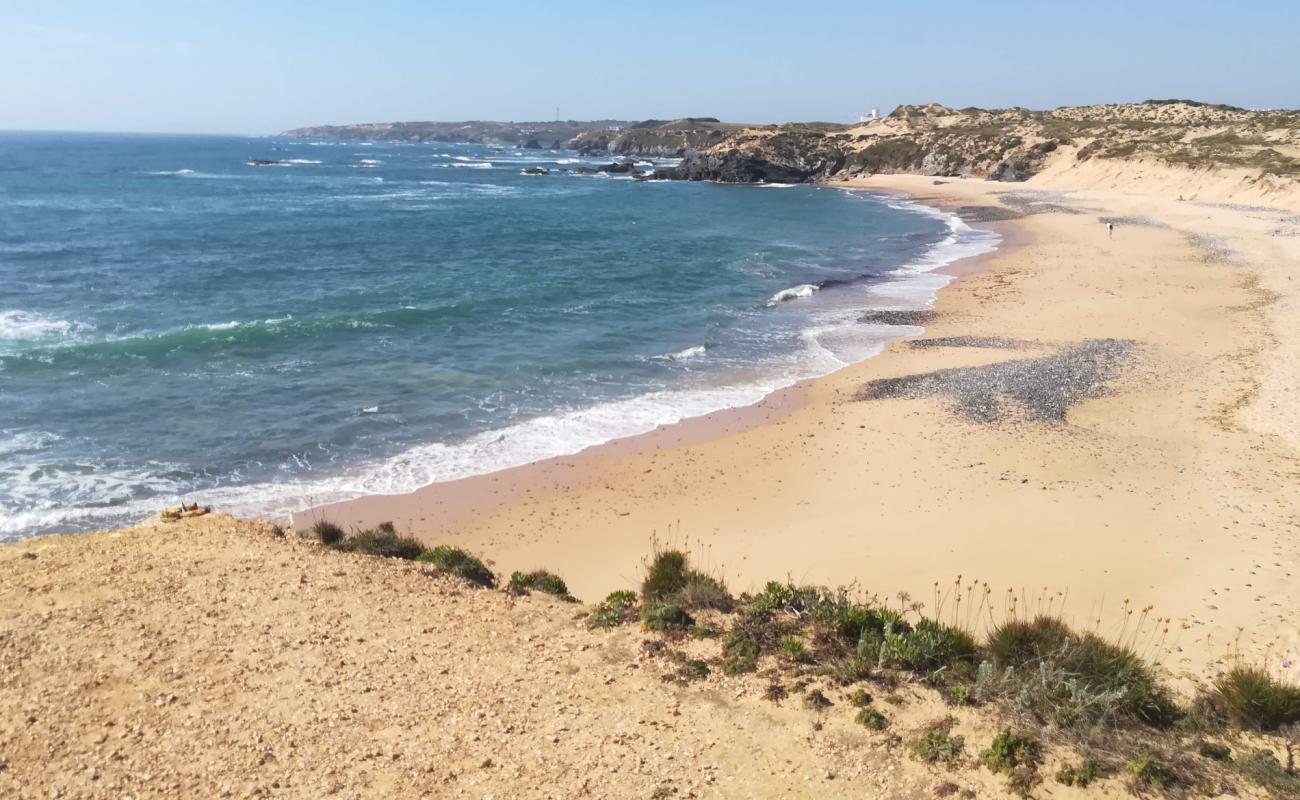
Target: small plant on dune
pixel 1016 755
pixel 872 719
pixel 1011 749
pixel 384 542
pixel 1264 769
pixel 1251 698
pixel 458 562
pixel 616 609
pixel 817 700
pixel 656 616
pixel 861 698
pixel 792 650
pixel 1151 773
pixel 539 580
pixel 937 744
pixel 927 647
pixel 740 653
pixel 328 533
pixel 670 579
pixel 1214 752
pixel 1083 774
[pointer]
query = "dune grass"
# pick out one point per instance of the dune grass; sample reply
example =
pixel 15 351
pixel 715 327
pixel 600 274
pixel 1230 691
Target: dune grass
pixel 1251 698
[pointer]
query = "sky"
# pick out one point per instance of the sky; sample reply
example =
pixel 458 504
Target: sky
pixel 245 67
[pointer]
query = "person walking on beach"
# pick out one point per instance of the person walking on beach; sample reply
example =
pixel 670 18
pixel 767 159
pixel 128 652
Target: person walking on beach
pixel 1110 229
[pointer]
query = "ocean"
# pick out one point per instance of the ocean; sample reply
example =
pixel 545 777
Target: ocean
pixel 356 318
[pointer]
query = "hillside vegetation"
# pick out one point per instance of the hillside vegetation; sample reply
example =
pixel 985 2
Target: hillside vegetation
pixel 1009 144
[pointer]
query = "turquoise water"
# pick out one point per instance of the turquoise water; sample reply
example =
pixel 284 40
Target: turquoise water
pixel 178 324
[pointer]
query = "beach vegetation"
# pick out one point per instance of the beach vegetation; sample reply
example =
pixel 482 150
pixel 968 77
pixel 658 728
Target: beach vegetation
pixel 458 562
pixel 1082 774
pixel 1262 767
pixel 660 616
pixel 1070 678
pixel 1148 773
pixel 936 743
pixel 861 698
pixel 871 718
pixel 1016 755
pixel 1248 696
pixel 329 533
pixel 670 578
pixel 816 700
pixel 616 609
pixel 538 580
pixel 383 541
pixel 792 650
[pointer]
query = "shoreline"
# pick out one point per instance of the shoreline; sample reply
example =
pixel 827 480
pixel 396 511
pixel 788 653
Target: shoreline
pixel 460 499
pixel 1163 488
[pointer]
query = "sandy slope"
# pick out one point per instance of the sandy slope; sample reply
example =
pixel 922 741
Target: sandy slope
pixel 209 658
pixel 1178 490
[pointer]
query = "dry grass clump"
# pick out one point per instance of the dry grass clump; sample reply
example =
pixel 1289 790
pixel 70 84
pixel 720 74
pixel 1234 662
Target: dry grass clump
pixel 1071 678
pixel 1249 697
pixel 670 578
pixel 538 580
pixel 458 562
pixel 328 533
pixel 382 541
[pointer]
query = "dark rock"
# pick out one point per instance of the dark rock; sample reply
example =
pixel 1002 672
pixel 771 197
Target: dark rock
pixel 263 162
pixel 619 168
pixel 535 171
pixel 532 144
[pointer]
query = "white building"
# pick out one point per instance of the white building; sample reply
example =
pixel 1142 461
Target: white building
pixel 870 116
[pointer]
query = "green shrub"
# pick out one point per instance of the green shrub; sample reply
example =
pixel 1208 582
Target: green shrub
pixel 1077 679
pixel 1214 752
pixel 925 648
pixel 872 719
pixel 657 616
pixel 614 610
pixel 861 698
pixel 792 649
pixel 1087 772
pixel 384 542
pixel 669 579
pixel 1263 768
pixel 328 533
pixel 458 562
pixel 1151 773
pixel 740 652
pixel 665 577
pixel 1011 749
pixel 541 580
pixel 1251 698
pixel 937 744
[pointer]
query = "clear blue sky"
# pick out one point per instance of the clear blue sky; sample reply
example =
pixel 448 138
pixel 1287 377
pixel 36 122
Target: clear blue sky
pixel 260 67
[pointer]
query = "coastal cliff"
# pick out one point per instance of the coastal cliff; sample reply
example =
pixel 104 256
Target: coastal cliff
pixel 1007 144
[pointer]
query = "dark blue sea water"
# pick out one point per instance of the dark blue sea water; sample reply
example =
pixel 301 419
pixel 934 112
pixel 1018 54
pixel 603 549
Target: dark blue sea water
pixel 178 324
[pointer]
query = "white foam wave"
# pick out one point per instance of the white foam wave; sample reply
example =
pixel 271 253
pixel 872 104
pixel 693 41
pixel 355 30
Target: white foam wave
pixel 371 162
pixel 16 325
pixel 683 355
pixel 834 340
pixel 304 161
pixel 793 293
pixel 777 185
pixel 474 165
pixel 173 172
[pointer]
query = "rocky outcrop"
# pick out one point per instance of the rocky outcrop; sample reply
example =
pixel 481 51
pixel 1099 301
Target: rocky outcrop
pixel 1011 144
pixel 655 138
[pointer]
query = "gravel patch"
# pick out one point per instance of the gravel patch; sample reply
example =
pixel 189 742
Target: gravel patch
pixel 896 316
pixel 1042 389
pixel 986 213
pixel 995 342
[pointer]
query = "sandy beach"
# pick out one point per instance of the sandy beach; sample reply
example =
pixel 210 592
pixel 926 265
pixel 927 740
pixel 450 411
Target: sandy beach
pixel 1168 479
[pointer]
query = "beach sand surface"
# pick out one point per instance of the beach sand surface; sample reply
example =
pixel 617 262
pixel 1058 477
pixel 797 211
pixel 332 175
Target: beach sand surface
pixel 1160 507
